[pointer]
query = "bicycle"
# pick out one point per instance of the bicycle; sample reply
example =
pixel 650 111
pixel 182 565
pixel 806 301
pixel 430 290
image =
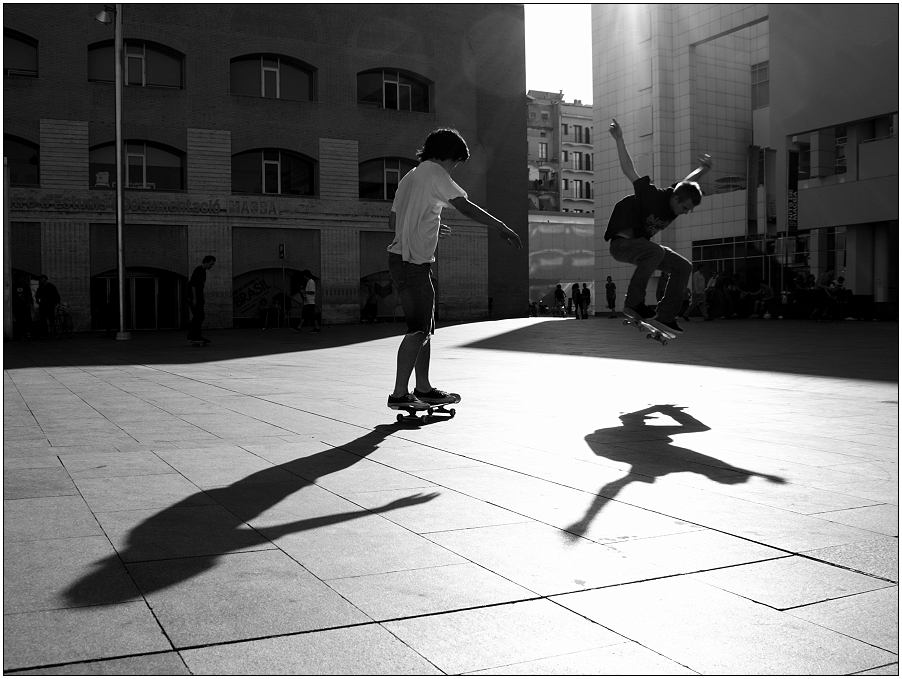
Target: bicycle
pixel 62 322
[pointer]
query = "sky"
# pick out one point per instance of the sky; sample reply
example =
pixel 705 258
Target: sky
pixel 559 49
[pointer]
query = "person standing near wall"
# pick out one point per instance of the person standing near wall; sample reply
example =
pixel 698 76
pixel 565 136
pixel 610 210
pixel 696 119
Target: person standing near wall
pixel 196 299
pixel 610 292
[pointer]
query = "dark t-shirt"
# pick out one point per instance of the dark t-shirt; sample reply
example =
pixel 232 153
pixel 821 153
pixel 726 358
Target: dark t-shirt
pixel 645 212
pixel 198 280
pixel 610 290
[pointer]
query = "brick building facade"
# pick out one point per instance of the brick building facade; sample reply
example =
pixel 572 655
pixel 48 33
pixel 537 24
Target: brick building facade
pixel 214 168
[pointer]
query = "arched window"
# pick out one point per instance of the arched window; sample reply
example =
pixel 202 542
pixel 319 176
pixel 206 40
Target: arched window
pixel 20 54
pixel 146 64
pixel 273 171
pixel 147 166
pixel 383 88
pixel 379 178
pixel 23 159
pixel 272 76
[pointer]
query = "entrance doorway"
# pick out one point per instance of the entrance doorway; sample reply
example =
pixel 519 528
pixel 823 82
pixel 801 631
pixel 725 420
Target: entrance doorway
pixel 154 300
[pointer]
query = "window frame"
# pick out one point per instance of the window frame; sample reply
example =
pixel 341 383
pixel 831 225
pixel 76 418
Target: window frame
pixel 27 144
pixel 280 59
pixel 277 163
pixel 128 153
pixel 386 171
pixel 9 33
pixel 129 56
pixel 394 76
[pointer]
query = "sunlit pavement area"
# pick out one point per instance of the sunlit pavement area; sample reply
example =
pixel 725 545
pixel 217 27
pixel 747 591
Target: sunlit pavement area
pixel 600 504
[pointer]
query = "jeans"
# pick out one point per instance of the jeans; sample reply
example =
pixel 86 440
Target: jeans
pixel 197 320
pixel 648 258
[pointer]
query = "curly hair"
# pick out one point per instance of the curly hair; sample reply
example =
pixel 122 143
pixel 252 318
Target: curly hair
pixel 444 144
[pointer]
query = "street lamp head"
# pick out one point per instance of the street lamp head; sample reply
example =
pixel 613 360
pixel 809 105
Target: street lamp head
pixel 105 16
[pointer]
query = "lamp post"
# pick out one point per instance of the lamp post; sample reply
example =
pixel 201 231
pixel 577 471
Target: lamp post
pixel 113 13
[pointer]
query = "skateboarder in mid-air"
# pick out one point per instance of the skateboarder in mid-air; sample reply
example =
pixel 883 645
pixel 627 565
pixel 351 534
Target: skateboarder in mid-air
pixel 416 221
pixel 635 220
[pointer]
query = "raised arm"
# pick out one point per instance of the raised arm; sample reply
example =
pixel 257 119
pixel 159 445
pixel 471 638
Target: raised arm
pixel 626 163
pixel 704 164
pixel 477 214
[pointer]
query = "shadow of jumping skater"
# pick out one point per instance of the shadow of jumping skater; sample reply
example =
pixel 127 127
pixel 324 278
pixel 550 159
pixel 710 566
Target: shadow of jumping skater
pixel 208 524
pixel 657 459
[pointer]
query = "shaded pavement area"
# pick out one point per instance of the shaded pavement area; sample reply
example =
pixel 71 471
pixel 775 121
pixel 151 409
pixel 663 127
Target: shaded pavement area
pixel 600 504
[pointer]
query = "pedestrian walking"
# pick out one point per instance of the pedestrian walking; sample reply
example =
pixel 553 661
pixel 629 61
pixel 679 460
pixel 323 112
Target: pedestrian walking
pixel 47 298
pixel 697 289
pixel 196 299
pixel 585 299
pixel 610 292
pixel 635 220
pixel 416 222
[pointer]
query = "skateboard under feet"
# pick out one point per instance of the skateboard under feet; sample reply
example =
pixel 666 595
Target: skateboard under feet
pixel 652 331
pixel 199 343
pixel 431 411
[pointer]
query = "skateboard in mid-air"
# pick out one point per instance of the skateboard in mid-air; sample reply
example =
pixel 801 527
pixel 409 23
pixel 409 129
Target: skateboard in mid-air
pixel 652 331
pixel 431 410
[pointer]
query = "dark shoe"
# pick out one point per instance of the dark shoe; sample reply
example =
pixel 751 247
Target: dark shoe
pixel 406 401
pixel 673 326
pixel 436 396
pixel 641 311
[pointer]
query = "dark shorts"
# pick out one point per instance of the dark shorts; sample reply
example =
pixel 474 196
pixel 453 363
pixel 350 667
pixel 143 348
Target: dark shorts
pixel 414 285
pixel 308 312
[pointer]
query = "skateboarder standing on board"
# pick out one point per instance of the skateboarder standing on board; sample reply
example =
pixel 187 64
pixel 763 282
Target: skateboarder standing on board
pixel 416 220
pixel 635 220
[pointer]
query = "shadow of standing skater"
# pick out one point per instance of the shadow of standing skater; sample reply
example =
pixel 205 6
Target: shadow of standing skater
pixel 657 459
pixel 185 531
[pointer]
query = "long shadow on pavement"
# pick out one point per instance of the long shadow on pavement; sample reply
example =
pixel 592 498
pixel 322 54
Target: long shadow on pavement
pixel 180 531
pixel 657 459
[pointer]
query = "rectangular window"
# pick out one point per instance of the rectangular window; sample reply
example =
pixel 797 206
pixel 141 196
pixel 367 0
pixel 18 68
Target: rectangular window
pixel 270 78
pixel 577 160
pixel 134 65
pixel 564 129
pixel 543 151
pixel 578 133
pixel 760 85
pixel 271 174
pixel 134 168
pixel 565 156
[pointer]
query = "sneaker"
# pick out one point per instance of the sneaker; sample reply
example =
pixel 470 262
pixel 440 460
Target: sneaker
pixel 671 325
pixel 436 396
pixel 406 401
pixel 641 311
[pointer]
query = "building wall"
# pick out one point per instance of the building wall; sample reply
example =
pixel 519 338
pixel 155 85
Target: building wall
pixel 561 251
pixel 473 55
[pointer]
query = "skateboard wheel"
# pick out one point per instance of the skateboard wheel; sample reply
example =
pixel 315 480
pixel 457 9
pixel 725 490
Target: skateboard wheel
pixel 453 412
pixel 626 322
pixel 663 343
pixel 400 418
pixel 648 336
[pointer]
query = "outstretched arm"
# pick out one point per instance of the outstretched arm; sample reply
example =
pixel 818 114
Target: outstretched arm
pixel 704 164
pixel 477 214
pixel 626 163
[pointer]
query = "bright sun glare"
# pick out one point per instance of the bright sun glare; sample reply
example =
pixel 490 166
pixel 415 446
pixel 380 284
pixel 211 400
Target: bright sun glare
pixel 559 49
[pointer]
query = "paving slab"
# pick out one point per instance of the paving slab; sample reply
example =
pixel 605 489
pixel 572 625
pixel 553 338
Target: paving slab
pixel 494 637
pixel 46 518
pixel 715 632
pixel 74 634
pixel 165 664
pixel 360 650
pixel 233 597
pixel 790 582
pixel 422 591
pixel 626 659
pixel 879 556
pixel 855 616
pixel 41 482
pixel 49 574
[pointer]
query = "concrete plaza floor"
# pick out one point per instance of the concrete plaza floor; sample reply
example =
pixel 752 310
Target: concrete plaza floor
pixel 600 504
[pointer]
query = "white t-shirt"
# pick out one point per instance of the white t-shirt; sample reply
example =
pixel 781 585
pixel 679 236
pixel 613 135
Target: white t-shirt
pixel 310 292
pixel 421 195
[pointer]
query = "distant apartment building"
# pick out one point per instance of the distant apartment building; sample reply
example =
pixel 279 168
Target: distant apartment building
pixel 559 139
pixel 798 106
pixel 272 136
